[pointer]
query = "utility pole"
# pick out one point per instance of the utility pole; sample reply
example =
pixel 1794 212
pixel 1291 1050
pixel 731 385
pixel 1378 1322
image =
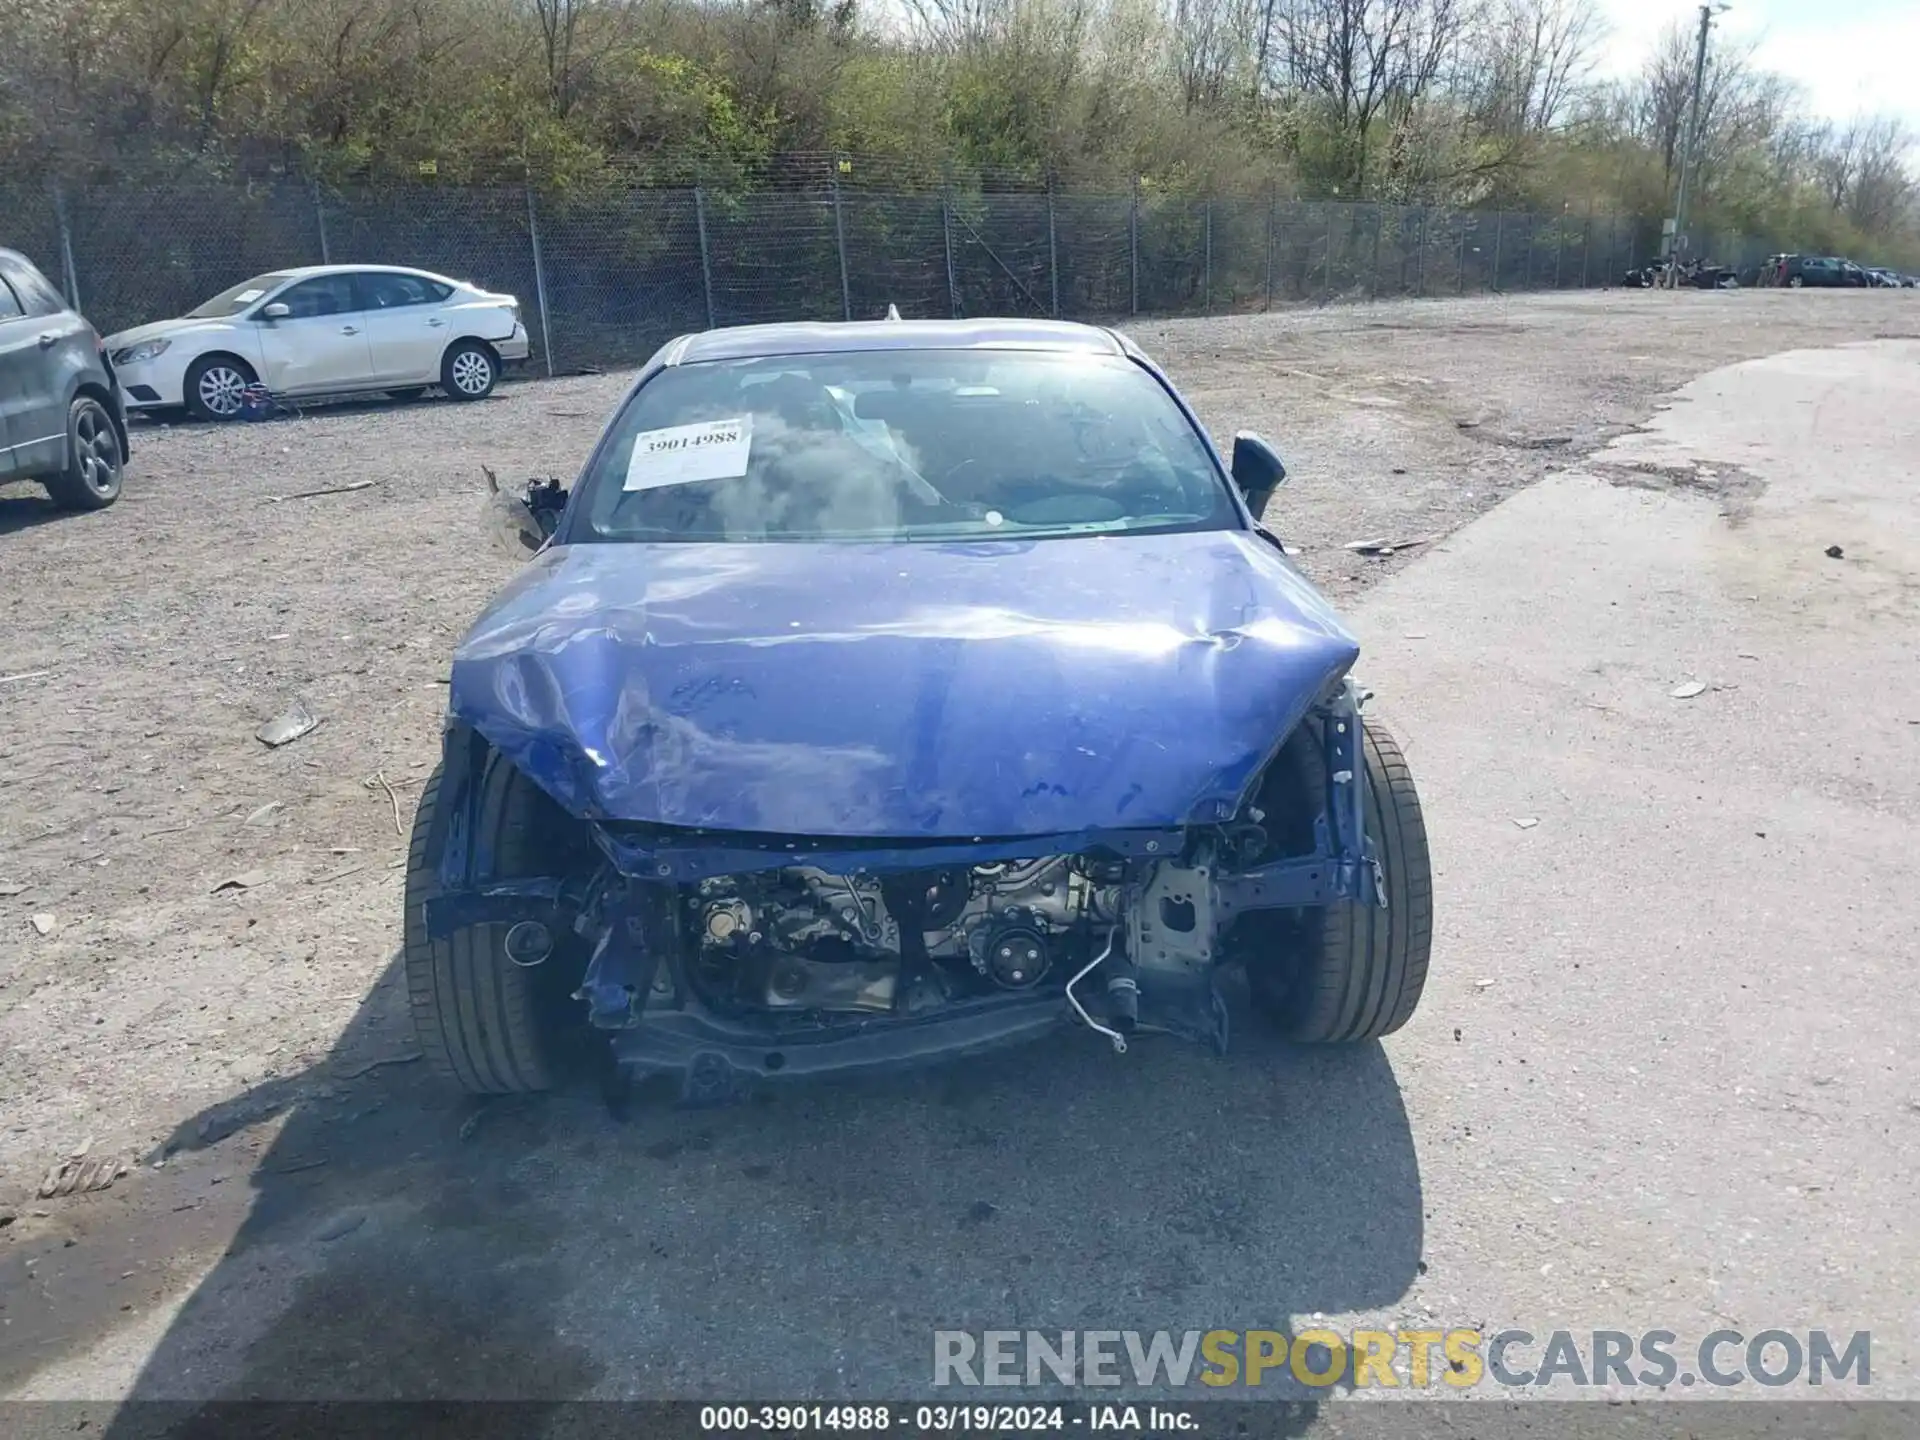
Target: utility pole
pixel 1693 135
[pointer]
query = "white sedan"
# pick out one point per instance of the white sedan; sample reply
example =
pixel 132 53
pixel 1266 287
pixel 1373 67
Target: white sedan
pixel 322 330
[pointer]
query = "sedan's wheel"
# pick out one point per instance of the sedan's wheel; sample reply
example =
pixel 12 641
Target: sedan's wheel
pixel 469 371
pixel 490 1024
pixel 1353 972
pixel 91 480
pixel 217 387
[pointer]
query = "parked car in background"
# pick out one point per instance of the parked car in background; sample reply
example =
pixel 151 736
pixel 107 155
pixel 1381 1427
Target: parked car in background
pixel 1801 271
pixel 323 330
pixel 61 421
pixel 1883 278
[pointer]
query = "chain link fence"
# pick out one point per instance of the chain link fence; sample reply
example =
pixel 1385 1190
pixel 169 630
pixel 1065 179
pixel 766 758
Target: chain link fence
pixel 606 277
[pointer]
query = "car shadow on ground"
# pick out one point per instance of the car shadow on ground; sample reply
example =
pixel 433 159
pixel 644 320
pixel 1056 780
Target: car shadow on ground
pixel 27 506
pixel 375 402
pixel 402 1241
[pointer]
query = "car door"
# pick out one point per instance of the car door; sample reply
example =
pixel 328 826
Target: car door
pixel 406 324
pixel 320 345
pixel 17 347
pixel 35 329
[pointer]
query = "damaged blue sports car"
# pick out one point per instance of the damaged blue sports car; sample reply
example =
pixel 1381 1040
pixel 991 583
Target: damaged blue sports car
pixel 894 691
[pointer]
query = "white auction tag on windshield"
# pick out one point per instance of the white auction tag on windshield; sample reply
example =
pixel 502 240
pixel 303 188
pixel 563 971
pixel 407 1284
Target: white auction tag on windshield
pixel 246 296
pixel 687 454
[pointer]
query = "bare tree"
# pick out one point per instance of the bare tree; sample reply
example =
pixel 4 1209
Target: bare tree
pixel 576 36
pixel 1365 61
pixel 1528 59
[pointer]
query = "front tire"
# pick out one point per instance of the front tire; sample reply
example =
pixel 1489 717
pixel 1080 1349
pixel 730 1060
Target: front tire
pixel 1351 972
pixel 95 459
pixel 469 370
pixel 217 386
pixel 487 1024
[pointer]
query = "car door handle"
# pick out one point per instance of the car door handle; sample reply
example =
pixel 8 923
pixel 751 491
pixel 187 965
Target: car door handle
pixel 47 340
pixel 435 320
pixel 349 329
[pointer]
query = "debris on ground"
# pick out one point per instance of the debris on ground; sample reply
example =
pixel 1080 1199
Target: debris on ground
pixel 246 880
pixel 264 813
pixel 1383 546
pixel 76 1174
pixel 9 888
pixel 24 675
pixel 1688 690
pixel 1483 982
pixel 403 1059
pixel 1834 552
pixel 327 490
pixel 379 780
pixel 289 725
pixel 341 1225
pixel 45 924
pixel 237 1114
pixel 1526 822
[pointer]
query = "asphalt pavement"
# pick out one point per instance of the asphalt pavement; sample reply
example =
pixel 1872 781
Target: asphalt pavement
pixel 1662 1077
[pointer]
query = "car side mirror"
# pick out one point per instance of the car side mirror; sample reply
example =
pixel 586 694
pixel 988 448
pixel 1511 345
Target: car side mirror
pixel 276 311
pixel 546 502
pixel 1257 469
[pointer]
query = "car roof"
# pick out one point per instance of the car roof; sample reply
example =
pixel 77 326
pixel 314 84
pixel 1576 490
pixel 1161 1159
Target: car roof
pixel 307 272
pixel 752 342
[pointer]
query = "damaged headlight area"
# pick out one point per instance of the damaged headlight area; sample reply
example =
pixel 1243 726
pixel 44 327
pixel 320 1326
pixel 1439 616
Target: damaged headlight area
pixel 145 350
pixel 720 958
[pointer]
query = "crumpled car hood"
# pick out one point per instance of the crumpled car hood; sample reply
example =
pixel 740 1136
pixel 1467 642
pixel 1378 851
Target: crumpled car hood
pixel 909 690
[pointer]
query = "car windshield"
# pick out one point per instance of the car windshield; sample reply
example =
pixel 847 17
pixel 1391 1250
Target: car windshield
pixel 901 445
pixel 238 298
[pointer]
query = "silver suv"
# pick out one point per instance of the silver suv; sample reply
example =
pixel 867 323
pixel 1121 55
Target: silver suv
pixel 61 418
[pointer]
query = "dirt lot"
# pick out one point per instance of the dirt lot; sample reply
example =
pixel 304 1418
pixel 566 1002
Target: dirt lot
pixel 167 1007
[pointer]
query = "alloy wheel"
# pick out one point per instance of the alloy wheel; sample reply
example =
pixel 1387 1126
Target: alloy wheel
pixel 472 372
pixel 96 449
pixel 221 390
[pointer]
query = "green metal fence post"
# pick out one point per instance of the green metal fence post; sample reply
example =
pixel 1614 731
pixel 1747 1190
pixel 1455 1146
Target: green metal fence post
pixel 1133 245
pixel 706 263
pixel 946 234
pixel 1053 251
pixel 1206 297
pixel 840 241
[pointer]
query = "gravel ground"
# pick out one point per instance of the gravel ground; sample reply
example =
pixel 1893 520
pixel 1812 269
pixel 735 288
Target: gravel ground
pixel 171 626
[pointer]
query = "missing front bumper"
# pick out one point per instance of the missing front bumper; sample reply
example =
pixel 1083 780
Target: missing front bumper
pixel 716 1060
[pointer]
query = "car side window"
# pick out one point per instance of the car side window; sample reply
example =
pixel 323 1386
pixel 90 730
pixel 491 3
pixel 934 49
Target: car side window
pixel 32 290
pixel 385 291
pixel 10 308
pixel 322 295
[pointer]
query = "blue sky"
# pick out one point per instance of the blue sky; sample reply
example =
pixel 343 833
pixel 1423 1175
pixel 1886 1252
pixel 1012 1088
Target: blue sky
pixel 1848 55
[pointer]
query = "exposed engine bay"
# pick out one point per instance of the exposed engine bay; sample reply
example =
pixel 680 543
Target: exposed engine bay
pixel 805 939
